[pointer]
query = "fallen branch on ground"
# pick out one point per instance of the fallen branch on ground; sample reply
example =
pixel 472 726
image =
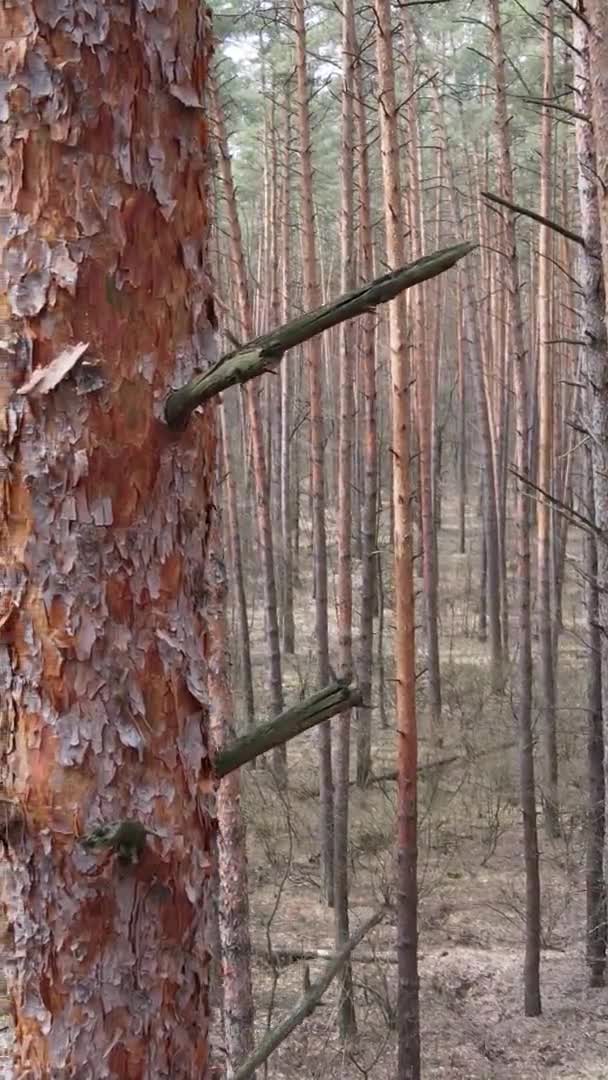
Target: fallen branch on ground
pixel 307 1004
pixel 284 956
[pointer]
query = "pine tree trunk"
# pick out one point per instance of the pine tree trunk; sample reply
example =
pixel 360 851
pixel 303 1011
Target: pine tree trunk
pixel 532 1001
pixel 262 490
pixel 475 363
pixel 312 298
pixel 424 402
pixel 238 577
pixel 408 1016
pixel 289 629
pixel 106 531
pixel 596 830
pixel 595 368
pixel 346 1015
pixel 367 360
pixel 597 14
pixel 233 901
pixel 544 517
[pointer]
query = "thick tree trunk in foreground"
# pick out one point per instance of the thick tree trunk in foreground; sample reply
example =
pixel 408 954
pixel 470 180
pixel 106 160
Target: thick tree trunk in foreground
pixel 106 520
pixel 408 1019
pixel 532 1002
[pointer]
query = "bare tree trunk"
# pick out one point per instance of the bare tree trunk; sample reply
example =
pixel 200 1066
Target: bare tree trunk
pixel 596 830
pixel 289 630
pixel 312 297
pixel 597 13
pixel 532 1001
pixel 476 365
pixel 262 492
pixel 544 518
pixel 424 400
pixel 238 579
pixel 232 849
pixel 106 520
pixel 341 759
pixel 595 368
pixel 367 355
pixel 462 448
pixel 408 1017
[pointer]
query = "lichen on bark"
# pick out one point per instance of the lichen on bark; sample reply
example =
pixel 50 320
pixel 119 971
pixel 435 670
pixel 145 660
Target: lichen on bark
pixel 104 530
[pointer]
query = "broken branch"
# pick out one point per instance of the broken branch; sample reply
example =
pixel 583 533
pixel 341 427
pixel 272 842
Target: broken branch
pixel 307 1004
pixel 266 352
pixel 321 706
pixel 517 209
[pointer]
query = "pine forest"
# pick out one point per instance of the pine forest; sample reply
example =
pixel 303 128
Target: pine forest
pixel 303 539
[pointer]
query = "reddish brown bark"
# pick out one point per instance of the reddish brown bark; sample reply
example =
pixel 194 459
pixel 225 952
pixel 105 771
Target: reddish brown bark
pixel 105 532
pixel 408 1019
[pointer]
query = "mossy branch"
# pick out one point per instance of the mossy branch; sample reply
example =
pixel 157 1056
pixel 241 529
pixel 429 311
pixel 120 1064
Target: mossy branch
pixel 266 352
pixel 321 706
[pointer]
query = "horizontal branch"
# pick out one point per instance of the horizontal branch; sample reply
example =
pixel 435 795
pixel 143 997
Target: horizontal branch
pixel 561 229
pixel 321 706
pixel 307 1004
pixel 266 352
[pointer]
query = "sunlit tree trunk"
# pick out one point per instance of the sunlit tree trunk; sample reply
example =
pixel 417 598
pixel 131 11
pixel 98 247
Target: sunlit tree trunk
pixel 106 521
pixel 408 1020
pixel 312 298
pixel 544 516
pixel 532 1002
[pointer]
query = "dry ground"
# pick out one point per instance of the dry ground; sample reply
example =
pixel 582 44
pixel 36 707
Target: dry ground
pixel 472 888
pixel 471 915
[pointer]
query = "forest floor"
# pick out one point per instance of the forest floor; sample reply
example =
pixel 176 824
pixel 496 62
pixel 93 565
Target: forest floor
pixel 471 878
pixel 471 872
